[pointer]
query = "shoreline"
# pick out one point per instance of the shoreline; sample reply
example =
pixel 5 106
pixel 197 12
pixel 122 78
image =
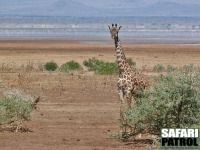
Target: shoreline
pixel 103 39
pixel 101 42
pixel 94 43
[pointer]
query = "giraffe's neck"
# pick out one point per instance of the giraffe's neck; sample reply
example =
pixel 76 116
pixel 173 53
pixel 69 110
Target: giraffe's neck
pixel 121 59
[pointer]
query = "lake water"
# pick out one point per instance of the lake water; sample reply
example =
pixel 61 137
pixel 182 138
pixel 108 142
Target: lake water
pixel 93 29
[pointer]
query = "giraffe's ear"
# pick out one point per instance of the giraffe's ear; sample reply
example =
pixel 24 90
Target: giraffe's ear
pixel 120 27
pixel 109 27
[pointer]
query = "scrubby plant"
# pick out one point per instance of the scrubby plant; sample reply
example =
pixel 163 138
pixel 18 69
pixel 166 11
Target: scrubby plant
pixel 105 68
pixel 101 67
pixel 171 68
pixel 71 65
pixel 159 68
pixel 51 66
pixel 189 67
pixel 173 101
pixel 29 66
pixel 131 63
pixel 92 63
pixel 15 107
pixel 40 66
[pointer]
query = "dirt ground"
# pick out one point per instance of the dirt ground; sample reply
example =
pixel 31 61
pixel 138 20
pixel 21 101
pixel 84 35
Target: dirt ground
pixel 81 110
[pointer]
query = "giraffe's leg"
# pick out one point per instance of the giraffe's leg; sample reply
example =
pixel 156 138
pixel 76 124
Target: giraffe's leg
pixel 129 102
pixel 125 102
pixel 128 98
pixel 122 119
pixel 121 96
pixel 132 99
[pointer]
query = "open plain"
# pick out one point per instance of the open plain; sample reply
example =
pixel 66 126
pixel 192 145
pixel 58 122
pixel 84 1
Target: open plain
pixel 78 110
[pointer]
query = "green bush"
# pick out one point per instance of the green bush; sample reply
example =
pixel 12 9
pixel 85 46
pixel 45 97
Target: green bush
pixel 107 68
pixel 189 67
pixel 101 67
pixel 15 107
pixel 171 68
pixel 92 63
pixel 131 63
pixel 71 65
pixel 51 66
pixel 159 68
pixel 173 101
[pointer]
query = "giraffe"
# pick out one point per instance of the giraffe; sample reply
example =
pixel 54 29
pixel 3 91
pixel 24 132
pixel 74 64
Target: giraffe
pixel 129 80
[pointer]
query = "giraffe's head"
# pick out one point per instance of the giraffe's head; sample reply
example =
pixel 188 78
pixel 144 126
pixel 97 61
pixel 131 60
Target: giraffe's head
pixel 114 30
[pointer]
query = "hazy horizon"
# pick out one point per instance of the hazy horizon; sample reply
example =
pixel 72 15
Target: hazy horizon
pixel 78 19
pixel 103 8
pixel 94 29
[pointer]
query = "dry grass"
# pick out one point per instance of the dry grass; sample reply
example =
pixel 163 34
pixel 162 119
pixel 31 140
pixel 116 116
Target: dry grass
pixel 13 67
pixel 57 80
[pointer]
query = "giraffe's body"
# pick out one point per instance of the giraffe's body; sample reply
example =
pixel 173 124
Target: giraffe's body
pixel 129 80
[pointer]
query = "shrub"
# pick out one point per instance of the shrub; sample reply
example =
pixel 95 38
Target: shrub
pixel 71 65
pixel 40 66
pixel 131 63
pixel 173 101
pixel 15 107
pixel 107 68
pixel 159 68
pixel 189 67
pixel 51 66
pixel 171 68
pixel 29 66
pixel 101 67
pixel 92 63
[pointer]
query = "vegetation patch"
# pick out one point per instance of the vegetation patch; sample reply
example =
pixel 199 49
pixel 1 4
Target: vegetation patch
pixel 132 63
pixel 101 67
pixel 173 101
pixel 105 68
pixel 71 65
pixel 51 66
pixel 15 107
pixel 159 68
pixel 171 68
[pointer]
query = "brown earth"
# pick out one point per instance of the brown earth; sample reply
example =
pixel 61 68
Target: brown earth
pixel 79 110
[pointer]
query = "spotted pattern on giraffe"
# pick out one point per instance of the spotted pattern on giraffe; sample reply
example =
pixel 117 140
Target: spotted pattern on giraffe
pixel 129 80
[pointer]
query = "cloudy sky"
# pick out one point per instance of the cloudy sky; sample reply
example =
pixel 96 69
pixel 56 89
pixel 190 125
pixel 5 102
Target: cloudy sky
pixel 100 7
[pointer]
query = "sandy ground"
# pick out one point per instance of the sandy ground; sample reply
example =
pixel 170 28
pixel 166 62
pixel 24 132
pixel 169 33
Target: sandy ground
pixel 148 55
pixel 77 111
